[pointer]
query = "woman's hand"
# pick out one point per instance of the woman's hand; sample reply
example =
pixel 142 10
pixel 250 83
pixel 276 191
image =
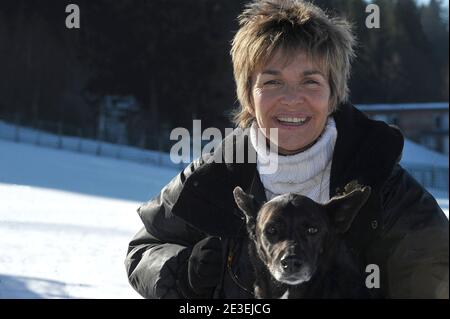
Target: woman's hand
pixel 205 266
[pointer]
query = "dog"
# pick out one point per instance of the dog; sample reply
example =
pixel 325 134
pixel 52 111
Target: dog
pixel 296 245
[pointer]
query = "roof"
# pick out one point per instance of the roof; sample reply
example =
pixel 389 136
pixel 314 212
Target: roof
pixel 415 154
pixel 403 107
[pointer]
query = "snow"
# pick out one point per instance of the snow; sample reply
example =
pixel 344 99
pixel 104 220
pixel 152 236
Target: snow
pixel 416 154
pixel 61 244
pixel 403 107
pixel 66 220
pixel 83 145
pixel 83 173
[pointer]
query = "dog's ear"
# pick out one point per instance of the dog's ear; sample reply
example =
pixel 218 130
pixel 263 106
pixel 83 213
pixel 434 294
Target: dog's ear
pixel 246 203
pixel 343 209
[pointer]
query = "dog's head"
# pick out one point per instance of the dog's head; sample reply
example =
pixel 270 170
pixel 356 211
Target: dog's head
pixel 290 231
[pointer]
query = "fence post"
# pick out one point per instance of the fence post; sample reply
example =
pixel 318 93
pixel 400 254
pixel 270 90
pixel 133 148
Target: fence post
pixel 60 135
pixel 99 147
pixel 38 132
pixel 98 151
pixel 142 145
pixel 80 136
pixel 119 147
pixel 159 150
pixel 433 177
pixel 17 128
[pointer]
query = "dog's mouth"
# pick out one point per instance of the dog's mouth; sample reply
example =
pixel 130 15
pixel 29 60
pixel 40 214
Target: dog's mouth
pixel 297 278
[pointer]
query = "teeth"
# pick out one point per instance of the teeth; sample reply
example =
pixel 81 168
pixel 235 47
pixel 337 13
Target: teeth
pixel 292 119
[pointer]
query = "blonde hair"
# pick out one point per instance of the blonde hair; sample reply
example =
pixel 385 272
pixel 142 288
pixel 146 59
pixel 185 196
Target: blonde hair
pixel 290 25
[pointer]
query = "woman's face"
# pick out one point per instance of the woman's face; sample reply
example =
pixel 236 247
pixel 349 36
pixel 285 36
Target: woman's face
pixel 292 97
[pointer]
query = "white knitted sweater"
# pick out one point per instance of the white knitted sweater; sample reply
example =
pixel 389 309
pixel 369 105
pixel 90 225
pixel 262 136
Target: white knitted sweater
pixel 306 173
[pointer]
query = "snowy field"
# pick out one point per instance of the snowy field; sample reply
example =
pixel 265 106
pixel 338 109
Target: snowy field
pixel 66 219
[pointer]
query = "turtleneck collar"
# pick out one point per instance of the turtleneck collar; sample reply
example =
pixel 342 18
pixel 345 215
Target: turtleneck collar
pixel 306 172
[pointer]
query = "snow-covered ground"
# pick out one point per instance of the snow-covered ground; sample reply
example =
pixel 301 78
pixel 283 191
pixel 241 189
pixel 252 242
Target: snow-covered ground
pixel 66 219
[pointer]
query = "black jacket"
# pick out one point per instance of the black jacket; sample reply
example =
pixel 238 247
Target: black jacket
pixel 401 228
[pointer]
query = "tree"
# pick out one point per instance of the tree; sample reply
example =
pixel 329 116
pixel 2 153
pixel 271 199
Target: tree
pixel 435 26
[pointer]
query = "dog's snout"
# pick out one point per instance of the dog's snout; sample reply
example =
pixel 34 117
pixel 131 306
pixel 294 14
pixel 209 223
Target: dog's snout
pixel 291 263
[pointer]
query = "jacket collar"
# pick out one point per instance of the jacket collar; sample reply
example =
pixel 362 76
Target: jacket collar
pixel 206 200
pixel 365 149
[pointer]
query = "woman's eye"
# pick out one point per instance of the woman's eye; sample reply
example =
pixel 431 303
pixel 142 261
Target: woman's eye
pixel 312 230
pixel 271 82
pixel 311 82
pixel 271 230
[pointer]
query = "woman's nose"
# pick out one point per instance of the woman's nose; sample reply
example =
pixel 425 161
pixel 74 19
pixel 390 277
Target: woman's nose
pixel 292 95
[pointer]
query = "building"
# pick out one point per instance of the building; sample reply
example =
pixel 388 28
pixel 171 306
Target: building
pixel 428 167
pixel 423 123
pixel 112 124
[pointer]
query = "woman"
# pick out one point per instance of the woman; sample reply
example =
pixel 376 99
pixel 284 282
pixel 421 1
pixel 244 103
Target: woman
pixel 291 65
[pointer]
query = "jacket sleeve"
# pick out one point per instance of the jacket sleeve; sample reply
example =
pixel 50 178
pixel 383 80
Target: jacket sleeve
pixel 415 236
pixel 157 255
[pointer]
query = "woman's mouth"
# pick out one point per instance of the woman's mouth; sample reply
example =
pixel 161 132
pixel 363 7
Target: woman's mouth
pixel 292 121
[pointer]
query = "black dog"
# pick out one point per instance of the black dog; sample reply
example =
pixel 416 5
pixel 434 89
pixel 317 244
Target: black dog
pixel 296 245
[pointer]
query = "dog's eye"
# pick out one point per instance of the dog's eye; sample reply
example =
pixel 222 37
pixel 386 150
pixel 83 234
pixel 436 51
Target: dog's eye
pixel 312 230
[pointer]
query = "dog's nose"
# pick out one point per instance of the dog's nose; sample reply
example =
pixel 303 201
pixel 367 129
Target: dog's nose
pixel 291 263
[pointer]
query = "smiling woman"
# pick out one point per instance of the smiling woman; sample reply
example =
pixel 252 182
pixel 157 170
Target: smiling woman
pixel 293 97
pixel 291 66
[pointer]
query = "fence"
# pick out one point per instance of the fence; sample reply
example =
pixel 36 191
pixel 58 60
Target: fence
pixel 430 177
pixel 51 135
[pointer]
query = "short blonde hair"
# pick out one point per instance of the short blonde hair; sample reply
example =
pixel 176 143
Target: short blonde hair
pixel 268 25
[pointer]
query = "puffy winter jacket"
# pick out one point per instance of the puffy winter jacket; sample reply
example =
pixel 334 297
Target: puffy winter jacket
pixel 401 228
